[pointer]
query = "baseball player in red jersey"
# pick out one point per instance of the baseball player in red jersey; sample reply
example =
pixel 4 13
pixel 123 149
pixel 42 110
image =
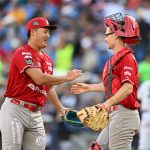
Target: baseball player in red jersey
pixel 30 83
pixel 120 83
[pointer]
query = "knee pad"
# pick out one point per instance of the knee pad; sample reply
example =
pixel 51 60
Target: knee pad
pixel 95 146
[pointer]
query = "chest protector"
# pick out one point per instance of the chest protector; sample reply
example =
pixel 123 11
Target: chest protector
pixel 109 78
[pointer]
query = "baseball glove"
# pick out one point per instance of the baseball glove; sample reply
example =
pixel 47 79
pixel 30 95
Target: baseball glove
pixel 71 118
pixel 96 120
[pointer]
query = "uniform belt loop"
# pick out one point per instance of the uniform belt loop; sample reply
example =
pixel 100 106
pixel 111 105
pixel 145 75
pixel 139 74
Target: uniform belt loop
pixel 22 103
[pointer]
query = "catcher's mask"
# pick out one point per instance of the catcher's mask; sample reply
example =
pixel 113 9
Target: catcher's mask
pixel 125 27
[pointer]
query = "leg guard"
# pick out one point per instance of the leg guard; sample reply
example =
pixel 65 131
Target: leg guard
pixel 95 146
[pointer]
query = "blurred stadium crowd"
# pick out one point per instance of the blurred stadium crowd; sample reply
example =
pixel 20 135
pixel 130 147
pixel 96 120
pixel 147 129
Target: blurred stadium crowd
pixel 78 43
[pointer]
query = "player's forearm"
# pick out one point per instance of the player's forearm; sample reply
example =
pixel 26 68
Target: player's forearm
pixel 52 97
pixel 123 93
pixel 96 87
pixel 45 79
pixel 51 79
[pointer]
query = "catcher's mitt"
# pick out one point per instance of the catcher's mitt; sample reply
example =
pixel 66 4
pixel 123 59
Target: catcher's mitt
pixel 93 119
pixel 71 118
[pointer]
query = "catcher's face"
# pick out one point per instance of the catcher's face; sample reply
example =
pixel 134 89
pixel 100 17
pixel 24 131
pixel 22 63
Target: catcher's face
pixel 109 38
pixel 40 37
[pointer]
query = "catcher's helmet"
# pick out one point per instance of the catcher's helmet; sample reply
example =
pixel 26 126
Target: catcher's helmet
pixel 125 27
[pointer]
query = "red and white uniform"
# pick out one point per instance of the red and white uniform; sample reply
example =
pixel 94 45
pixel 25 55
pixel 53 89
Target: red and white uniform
pixel 124 121
pixel 20 85
pixel 126 70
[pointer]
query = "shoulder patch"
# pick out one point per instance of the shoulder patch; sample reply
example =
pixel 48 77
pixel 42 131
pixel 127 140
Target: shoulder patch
pixel 29 61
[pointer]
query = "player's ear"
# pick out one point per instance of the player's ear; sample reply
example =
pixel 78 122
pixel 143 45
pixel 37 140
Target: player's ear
pixel 32 32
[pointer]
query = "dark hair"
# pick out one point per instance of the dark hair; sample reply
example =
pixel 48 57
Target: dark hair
pixel 28 34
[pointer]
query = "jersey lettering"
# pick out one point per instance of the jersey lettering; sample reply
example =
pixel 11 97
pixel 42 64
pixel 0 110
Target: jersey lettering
pixel 37 89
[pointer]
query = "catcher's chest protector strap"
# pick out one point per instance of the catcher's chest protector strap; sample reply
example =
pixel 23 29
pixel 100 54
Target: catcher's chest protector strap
pixel 110 78
pixel 111 66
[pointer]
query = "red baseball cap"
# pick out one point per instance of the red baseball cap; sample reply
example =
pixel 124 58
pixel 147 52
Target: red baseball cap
pixel 40 22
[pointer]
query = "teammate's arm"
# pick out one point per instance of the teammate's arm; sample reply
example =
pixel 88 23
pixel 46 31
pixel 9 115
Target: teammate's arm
pixel 97 87
pixel 52 97
pixel 80 88
pixel 45 79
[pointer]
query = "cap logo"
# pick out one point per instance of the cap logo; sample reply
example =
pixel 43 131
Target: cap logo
pixel 36 23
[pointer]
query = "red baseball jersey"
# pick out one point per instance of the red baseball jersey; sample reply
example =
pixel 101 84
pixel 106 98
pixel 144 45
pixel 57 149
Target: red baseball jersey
pixel 124 71
pixel 20 85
